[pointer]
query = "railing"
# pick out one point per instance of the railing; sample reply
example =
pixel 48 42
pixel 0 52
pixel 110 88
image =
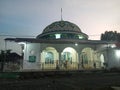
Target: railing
pixel 62 66
pixel 9 66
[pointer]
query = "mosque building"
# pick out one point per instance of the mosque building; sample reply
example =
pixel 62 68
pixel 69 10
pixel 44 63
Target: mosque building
pixel 62 45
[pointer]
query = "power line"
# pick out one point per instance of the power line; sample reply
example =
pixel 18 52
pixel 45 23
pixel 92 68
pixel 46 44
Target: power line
pixel 9 35
pixel 35 36
pixel 95 35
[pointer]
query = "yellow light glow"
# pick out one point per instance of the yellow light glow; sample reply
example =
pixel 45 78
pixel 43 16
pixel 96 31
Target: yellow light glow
pixel 68 49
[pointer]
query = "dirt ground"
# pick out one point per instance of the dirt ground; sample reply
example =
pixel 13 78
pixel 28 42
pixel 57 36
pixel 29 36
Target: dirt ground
pixel 77 81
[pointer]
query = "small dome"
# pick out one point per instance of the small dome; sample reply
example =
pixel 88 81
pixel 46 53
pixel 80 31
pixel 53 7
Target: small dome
pixel 62 30
pixel 61 26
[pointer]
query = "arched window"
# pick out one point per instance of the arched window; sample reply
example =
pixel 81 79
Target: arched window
pixel 87 57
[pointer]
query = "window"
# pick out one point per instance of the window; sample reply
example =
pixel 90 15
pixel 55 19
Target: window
pixel 57 36
pixel 80 37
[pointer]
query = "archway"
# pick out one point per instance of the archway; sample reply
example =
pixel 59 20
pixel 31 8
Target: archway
pixel 87 58
pixel 69 58
pixel 102 61
pixel 49 57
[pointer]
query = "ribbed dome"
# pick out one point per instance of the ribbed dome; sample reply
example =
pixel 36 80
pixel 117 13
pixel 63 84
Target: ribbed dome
pixel 62 26
pixel 62 30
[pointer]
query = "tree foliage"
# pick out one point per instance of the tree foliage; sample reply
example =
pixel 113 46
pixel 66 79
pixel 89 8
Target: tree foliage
pixel 110 36
pixel 8 56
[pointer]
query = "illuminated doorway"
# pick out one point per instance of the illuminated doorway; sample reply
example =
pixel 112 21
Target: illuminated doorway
pixel 102 61
pixel 69 58
pixel 49 56
pixel 87 58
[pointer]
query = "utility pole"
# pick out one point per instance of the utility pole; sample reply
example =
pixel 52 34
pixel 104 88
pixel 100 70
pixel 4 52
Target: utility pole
pixel 2 57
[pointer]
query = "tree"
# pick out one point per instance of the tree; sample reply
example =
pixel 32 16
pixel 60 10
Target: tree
pixel 8 56
pixel 2 59
pixel 110 36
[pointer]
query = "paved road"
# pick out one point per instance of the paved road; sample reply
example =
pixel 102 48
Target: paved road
pixel 79 81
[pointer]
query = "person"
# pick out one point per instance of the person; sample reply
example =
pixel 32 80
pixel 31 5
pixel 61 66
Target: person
pixel 82 64
pixel 94 65
pixel 57 65
pixel 65 64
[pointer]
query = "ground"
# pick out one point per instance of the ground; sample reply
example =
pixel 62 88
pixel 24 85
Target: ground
pixel 68 81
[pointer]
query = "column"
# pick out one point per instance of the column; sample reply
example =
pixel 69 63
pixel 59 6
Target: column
pixel 60 63
pixel 79 62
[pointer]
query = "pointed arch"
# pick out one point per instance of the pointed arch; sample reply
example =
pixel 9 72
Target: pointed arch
pixel 102 61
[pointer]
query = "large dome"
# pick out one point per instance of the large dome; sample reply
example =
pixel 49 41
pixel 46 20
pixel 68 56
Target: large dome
pixel 62 30
pixel 62 26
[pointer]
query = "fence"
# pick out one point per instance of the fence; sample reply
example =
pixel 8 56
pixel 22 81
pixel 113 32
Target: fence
pixel 10 66
pixel 61 66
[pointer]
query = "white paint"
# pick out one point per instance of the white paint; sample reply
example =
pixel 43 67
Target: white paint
pixel 31 49
pixel 117 53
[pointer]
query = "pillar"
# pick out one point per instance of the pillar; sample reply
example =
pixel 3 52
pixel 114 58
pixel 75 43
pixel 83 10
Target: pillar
pixel 79 62
pixel 60 63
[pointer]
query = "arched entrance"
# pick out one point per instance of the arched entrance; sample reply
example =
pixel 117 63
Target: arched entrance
pixel 69 58
pixel 87 58
pixel 102 61
pixel 49 57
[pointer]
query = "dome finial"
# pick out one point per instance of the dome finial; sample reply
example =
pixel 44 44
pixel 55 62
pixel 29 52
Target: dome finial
pixel 61 15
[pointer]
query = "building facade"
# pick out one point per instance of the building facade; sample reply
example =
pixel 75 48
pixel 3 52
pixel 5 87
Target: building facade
pixel 63 46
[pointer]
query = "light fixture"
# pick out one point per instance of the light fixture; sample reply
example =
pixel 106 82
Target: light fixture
pixel 113 46
pixel 76 44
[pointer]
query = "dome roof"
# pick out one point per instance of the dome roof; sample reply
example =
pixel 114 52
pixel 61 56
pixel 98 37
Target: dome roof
pixel 62 30
pixel 61 26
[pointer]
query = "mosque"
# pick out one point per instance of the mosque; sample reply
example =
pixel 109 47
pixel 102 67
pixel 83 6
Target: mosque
pixel 63 46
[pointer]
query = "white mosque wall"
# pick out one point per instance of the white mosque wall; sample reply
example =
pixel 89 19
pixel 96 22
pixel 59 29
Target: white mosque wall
pixel 111 55
pixel 36 49
pixel 31 56
pixel 49 49
pixel 10 45
pixel 113 58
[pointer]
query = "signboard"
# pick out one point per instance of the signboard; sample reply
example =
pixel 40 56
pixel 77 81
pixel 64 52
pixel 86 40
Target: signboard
pixel 32 58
